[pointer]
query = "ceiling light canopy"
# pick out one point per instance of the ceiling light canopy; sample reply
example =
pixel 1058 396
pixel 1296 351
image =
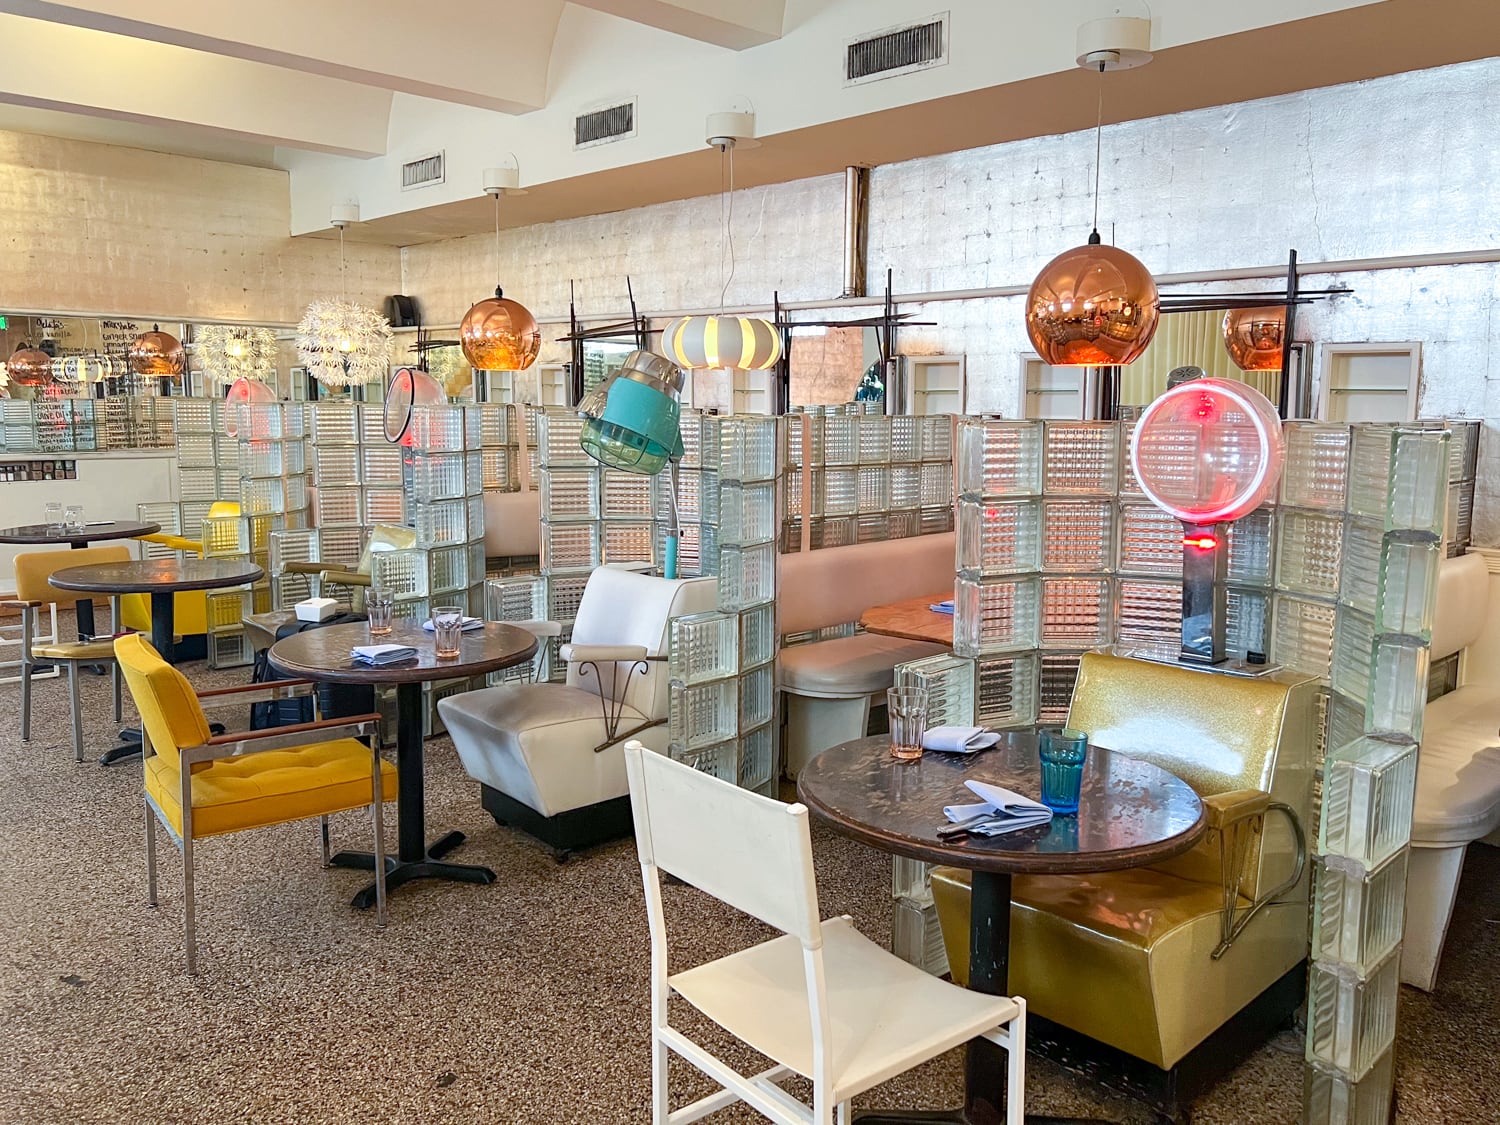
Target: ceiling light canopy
pixel 1254 337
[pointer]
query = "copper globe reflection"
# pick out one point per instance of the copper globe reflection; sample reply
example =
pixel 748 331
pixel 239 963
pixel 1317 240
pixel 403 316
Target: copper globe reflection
pixel 29 367
pixel 156 353
pixel 1254 337
pixel 1092 306
pixel 499 334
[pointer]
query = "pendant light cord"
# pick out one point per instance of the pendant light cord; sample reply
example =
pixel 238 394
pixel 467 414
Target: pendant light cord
pixel 1098 149
pixel 497 243
pixel 726 210
pixel 343 269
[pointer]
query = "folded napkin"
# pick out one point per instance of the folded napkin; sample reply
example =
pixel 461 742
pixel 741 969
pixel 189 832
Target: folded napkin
pixel 959 740
pixel 942 607
pixel 382 654
pixel 1010 811
pixel 470 624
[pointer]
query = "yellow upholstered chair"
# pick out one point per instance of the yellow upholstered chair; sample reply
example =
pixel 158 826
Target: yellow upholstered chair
pixel 383 537
pixel 198 785
pixel 1153 960
pixel 189 607
pixel 34 591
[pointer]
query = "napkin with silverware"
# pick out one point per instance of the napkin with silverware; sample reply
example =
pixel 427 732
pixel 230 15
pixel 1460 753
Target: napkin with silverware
pixel 382 654
pixel 998 811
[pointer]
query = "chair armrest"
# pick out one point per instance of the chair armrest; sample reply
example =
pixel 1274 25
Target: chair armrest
pixel 176 542
pixel 303 567
pixel 278 738
pixel 600 654
pixel 268 685
pixel 1224 809
pixel 538 628
pixel 1236 818
pixel 17 604
pixel 345 577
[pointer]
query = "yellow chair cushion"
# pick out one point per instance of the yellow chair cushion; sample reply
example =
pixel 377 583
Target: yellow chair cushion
pixel 272 787
pixel 92 651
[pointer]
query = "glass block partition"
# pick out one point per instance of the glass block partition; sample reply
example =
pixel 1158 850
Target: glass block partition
pixel 1337 580
pixel 60 424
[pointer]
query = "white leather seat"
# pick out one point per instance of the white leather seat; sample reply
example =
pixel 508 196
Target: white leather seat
pixel 822 1001
pixel 845 666
pixel 547 756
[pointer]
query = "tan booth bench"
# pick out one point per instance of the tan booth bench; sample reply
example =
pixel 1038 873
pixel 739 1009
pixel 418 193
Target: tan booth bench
pixel 1153 961
pixel 1458 769
pixel 828 685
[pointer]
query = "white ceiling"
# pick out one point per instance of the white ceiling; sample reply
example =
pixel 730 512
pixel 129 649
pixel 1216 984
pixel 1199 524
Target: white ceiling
pixel 341 92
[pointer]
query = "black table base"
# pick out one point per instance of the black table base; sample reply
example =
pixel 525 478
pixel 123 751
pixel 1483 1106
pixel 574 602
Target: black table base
pixel 399 871
pixel 985 1064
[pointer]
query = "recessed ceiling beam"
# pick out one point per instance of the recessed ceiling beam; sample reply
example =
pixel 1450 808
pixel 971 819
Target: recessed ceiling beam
pixel 493 59
pixel 52 66
pixel 735 24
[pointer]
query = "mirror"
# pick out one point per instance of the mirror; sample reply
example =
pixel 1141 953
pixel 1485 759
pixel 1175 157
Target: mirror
pixel 1188 339
pixel 827 363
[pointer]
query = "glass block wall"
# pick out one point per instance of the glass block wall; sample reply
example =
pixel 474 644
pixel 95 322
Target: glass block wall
pixel 63 424
pixel 853 476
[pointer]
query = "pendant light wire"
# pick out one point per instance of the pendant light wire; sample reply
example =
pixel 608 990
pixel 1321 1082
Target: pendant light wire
pixel 729 227
pixel 1098 150
pixel 497 243
pixel 343 269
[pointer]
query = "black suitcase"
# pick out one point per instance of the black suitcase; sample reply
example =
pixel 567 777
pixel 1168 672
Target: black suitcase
pixel 334 700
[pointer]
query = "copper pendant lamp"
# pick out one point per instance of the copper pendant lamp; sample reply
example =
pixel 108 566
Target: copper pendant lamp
pixel 1094 305
pixel 498 334
pixel 157 354
pixel 1254 337
pixel 29 367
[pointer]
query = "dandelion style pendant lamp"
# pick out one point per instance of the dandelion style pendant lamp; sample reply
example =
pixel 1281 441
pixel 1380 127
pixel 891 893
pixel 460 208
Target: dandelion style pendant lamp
pixel 705 342
pixel 1096 305
pixel 340 343
pixel 227 353
pixel 499 334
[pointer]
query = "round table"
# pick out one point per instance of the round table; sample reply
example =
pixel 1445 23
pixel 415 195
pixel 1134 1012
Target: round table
pixel 1130 813
pixel 162 579
pixel 912 620
pixel 37 534
pixel 323 654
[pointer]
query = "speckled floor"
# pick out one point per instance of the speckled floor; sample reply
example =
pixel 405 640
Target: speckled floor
pixel 524 1001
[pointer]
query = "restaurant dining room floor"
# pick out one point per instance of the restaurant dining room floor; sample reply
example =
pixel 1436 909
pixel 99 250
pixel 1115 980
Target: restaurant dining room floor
pixel 523 1001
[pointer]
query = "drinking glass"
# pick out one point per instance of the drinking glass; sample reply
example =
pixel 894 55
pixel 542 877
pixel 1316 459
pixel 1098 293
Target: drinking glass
pixel 1063 751
pixel 906 708
pixel 54 512
pixel 73 518
pixel 447 630
pixel 378 608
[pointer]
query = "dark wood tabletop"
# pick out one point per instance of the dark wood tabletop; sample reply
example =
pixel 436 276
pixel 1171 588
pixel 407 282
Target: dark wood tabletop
pixel 323 654
pixel 91 533
pixel 1130 812
pixel 912 620
pixel 154 576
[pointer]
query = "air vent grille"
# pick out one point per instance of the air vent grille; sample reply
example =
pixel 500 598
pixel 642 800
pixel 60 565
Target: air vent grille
pixel 599 126
pixel 422 172
pixel 900 50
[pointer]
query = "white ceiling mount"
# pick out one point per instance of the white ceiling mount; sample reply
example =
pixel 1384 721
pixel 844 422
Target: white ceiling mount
pixel 342 214
pixel 1116 43
pixel 503 181
pixel 730 130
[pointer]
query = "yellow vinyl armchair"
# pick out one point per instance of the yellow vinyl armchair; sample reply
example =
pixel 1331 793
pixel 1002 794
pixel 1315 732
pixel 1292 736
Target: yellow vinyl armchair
pixel 199 785
pixel 1158 961
pixel 384 537
pixel 189 607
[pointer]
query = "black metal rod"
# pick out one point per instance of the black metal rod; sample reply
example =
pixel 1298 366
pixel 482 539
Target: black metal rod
pixel 1283 399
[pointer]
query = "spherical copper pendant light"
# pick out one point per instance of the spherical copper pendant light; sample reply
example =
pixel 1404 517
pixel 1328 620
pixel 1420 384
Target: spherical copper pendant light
pixel 157 354
pixel 498 334
pixel 1254 337
pixel 29 367
pixel 1095 305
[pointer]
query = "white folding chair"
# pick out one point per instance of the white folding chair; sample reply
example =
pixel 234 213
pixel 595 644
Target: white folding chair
pixel 823 1001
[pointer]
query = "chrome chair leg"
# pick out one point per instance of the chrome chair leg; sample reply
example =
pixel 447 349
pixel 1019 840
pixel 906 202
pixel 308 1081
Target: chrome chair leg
pixel 150 854
pixel 26 675
pixel 323 837
pixel 189 922
pixel 75 705
pixel 378 786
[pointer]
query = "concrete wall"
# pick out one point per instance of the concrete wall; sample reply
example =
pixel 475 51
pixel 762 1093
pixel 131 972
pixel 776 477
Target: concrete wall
pixel 88 227
pixel 1228 188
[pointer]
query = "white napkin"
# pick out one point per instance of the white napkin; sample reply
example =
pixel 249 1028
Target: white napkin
pixel 470 624
pixel 959 740
pixel 382 654
pixel 942 607
pixel 1012 810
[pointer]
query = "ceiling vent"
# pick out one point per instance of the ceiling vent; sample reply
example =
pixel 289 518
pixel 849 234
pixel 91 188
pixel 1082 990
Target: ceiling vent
pixel 601 126
pixel 422 172
pixel 897 50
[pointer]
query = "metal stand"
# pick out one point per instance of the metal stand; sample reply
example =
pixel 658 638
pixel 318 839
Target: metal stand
pixel 1205 551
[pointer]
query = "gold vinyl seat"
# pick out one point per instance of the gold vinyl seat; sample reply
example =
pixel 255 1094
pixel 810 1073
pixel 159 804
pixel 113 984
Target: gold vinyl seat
pixel 249 780
pixel 1153 960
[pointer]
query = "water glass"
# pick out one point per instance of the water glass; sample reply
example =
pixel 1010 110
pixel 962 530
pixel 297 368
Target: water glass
pixel 447 630
pixel 1063 751
pixel 378 608
pixel 54 518
pixel 906 708
pixel 73 518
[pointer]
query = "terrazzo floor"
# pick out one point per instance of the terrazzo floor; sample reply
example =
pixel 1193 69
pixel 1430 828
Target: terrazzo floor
pixel 524 1001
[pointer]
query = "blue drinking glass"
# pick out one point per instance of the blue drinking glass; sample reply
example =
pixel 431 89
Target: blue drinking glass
pixel 1063 752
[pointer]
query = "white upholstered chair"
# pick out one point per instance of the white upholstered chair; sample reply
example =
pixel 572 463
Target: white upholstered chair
pixel 822 1001
pixel 547 756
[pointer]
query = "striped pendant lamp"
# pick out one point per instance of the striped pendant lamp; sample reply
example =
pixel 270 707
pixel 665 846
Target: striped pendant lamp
pixel 748 343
